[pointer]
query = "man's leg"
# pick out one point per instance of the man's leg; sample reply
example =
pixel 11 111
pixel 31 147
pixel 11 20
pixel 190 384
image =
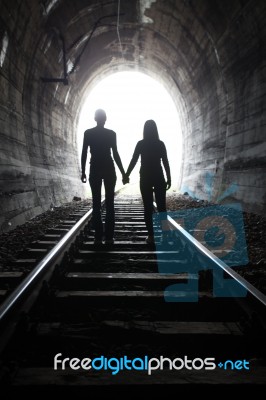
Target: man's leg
pixel 109 184
pixel 147 197
pixel 96 184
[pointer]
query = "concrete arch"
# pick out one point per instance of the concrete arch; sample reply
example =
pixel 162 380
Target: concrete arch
pixel 210 55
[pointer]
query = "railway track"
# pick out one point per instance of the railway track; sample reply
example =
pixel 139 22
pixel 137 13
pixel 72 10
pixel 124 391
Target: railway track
pixel 136 312
pixel 17 266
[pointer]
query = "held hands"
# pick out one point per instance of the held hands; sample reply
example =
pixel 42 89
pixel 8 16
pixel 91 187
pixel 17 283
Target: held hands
pixel 83 178
pixel 125 179
pixel 168 184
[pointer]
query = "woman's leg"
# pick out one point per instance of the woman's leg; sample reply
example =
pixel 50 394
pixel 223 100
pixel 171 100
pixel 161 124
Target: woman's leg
pixel 160 197
pixel 146 190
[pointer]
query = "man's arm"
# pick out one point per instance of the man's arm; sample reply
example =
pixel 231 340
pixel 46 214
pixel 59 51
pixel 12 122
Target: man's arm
pixel 84 158
pixel 117 156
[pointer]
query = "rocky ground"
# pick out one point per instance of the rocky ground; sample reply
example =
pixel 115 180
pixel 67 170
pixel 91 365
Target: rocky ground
pixel 255 238
pixel 17 240
pixel 13 242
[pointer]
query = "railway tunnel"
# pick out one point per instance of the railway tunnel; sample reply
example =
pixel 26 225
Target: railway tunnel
pixel 208 54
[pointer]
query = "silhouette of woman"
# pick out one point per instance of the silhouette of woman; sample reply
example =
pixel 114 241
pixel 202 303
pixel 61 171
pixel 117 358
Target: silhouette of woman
pixel 152 180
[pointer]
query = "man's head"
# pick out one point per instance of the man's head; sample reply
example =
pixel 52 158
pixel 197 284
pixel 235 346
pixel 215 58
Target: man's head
pixel 100 117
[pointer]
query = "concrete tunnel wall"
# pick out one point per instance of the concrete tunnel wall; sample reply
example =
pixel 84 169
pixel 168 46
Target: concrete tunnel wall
pixel 209 54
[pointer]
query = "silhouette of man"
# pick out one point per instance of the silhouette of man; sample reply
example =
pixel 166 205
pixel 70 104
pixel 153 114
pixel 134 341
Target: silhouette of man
pixel 102 169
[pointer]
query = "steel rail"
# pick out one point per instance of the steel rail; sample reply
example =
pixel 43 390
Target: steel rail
pixel 217 261
pixel 32 278
pixel 9 303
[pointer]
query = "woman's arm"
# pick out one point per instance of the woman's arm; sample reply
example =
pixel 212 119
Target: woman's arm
pixel 134 160
pixel 166 167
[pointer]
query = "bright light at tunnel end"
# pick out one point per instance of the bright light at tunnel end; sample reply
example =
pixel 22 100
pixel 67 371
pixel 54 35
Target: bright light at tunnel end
pixel 129 99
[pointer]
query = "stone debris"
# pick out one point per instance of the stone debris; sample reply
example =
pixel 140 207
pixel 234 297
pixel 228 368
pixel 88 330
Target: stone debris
pixel 17 240
pixel 255 228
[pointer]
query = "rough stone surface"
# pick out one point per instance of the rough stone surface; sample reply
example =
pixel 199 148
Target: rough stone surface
pixel 254 271
pixel 19 239
pixel 210 55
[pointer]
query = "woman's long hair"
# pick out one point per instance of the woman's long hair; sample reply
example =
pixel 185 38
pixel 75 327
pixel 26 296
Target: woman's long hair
pixel 150 131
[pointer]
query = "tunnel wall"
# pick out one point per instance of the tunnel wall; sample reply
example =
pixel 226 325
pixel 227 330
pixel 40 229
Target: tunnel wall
pixel 209 54
pixel 224 138
pixel 39 167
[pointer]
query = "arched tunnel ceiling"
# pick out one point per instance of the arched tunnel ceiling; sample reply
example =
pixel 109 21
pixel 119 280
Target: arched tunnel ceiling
pixel 165 39
pixel 209 54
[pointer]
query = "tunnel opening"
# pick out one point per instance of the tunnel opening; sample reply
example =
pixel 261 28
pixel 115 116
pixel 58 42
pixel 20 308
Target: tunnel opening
pixel 209 58
pixel 129 99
